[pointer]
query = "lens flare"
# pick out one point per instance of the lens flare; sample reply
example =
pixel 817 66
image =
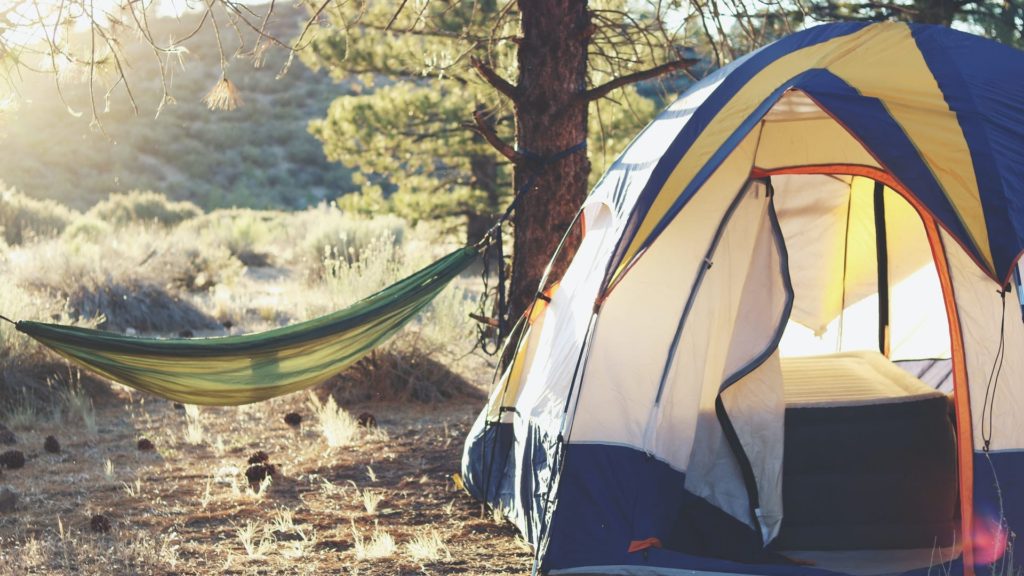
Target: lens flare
pixel 990 539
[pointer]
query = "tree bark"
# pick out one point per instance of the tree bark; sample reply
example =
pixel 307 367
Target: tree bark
pixel 550 117
pixel 940 12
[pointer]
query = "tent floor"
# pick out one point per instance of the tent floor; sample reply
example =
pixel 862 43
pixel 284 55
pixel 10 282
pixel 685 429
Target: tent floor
pixel 875 562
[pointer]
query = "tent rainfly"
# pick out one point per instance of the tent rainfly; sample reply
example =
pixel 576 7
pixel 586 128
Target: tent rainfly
pixel 791 341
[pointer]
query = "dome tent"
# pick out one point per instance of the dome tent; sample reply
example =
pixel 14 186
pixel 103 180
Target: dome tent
pixel 852 194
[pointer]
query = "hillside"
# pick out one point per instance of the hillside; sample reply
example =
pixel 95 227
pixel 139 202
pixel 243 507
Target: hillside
pixel 257 156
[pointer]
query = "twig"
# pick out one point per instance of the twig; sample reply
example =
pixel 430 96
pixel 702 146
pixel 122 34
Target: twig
pixel 395 16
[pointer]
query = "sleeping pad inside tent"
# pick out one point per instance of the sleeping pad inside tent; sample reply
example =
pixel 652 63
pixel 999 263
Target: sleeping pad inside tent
pixel 791 339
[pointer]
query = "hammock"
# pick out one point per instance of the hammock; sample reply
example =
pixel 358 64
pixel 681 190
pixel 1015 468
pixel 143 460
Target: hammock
pixel 236 370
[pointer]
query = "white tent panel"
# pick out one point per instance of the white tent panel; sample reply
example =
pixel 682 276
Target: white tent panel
pixel 917 311
pixel 639 317
pixel 550 373
pixel 732 325
pixel 982 312
pixel 756 406
pixel 829 225
pixel 699 364
pixel 813 213
pixel 655 139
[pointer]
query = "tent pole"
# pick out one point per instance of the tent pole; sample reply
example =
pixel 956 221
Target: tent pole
pixel 882 257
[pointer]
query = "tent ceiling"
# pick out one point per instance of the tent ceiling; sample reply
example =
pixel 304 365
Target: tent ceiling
pixel 797 132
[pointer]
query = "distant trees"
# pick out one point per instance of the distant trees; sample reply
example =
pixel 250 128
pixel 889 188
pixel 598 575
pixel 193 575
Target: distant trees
pixel 1002 20
pixel 462 102
pixel 468 102
pixel 405 128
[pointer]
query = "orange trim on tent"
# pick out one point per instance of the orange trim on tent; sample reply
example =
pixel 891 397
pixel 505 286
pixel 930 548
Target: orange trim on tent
pixel 638 545
pixel 961 392
pixel 961 400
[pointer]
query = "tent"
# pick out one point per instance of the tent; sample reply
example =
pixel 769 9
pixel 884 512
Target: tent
pixel 791 341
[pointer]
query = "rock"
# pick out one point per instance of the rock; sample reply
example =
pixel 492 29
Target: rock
pixel 293 419
pixel 6 436
pixel 367 420
pixel 12 459
pixel 8 500
pixel 51 445
pixel 100 523
pixel 145 445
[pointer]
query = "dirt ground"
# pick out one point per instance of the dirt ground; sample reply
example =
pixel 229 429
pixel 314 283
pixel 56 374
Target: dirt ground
pixel 387 504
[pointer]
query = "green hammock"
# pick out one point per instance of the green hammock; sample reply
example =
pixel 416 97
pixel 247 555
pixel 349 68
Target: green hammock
pixel 241 369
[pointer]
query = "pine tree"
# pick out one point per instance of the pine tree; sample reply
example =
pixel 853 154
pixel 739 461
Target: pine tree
pixel 441 122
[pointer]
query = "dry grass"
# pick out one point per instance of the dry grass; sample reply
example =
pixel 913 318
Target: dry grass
pixel 338 427
pixel 428 546
pixel 184 509
pixel 343 499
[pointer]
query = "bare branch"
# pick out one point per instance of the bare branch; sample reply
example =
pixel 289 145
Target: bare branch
pixel 395 16
pixel 495 80
pixel 603 90
pixel 488 133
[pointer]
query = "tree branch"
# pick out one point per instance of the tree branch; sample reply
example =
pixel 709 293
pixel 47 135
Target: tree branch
pixel 492 78
pixel 488 133
pixel 603 90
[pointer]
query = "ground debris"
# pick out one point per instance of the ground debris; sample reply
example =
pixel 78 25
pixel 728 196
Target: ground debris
pixel 367 420
pixel 12 459
pixel 51 445
pixel 257 473
pixel 8 500
pixel 6 436
pixel 100 524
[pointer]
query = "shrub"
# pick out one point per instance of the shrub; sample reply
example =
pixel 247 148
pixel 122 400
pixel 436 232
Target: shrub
pixel 143 206
pixel 87 228
pixel 118 282
pixel 327 232
pixel 251 236
pixel 23 218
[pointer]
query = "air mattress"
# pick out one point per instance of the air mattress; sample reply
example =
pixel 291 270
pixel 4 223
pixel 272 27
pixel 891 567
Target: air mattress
pixel 870 457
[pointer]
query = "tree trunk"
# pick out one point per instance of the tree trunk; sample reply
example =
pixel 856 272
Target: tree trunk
pixel 940 12
pixel 551 116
